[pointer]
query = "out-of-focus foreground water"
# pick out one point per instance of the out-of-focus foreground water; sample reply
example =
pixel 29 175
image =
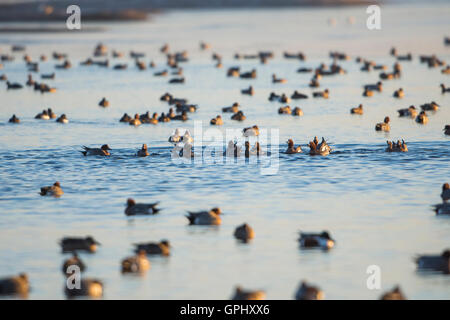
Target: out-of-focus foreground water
pixel 376 205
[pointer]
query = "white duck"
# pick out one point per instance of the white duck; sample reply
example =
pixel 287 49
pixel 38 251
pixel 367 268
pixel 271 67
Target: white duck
pixel 175 138
pixel 187 138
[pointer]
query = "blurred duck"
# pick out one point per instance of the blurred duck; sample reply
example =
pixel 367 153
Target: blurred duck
pixel 447 130
pixel 285 110
pixel 136 121
pixel 30 81
pixel 14 119
pixel 176 80
pixel 65 65
pixel 438 263
pixel 51 114
pixel 3 77
pixel 88 288
pixel 217 121
pixel 181 117
pixel 164 118
pixel 251 131
pixel 62 119
pixel 211 217
pixel 357 110
pixel 241 294
pixel 161 73
pixel 442 209
pixel 314 83
pixel 120 66
pixel 444 89
pixel 308 292
pixel 13 86
pixel 152 248
pixel 446 70
pixel 233 72
pixel 396 147
pixel 432 106
pixel 136 264
pixel 48 76
pixel 87 244
pixel 73 261
pixel 125 118
pixel 394 294
pixel 408 112
pixel 445 195
pixel 104 103
pixel 383 126
pixel 297 112
pixel 102 151
pixel 399 93
pixel 233 109
pixel 54 190
pixel 244 233
pixel 321 94
pixel 238 116
pixel 248 91
pixel 374 87
pixel 368 93
pixel 248 75
pixel 284 98
pixel 143 152
pixel 291 148
pixel 16 285
pixel 134 209
pixel 322 149
pixel 297 95
pixel 316 240
pixel 277 80
pixel 422 118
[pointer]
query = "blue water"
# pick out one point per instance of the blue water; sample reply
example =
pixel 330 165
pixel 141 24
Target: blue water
pixel 376 205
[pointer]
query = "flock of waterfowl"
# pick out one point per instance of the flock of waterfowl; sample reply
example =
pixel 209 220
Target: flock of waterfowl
pixel 178 111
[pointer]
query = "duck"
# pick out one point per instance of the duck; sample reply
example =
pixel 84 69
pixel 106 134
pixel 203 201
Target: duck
pixel 297 112
pixel 284 98
pixel 104 103
pixel 308 292
pixel 50 76
pixel 217 121
pixel 143 152
pixel 181 117
pixel 432 106
pixel 102 151
pixel 446 70
pixel 171 114
pixel 297 95
pixel 88 244
pixel 316 240
pixel 396 147
pixel 73 261
pixel 238 116
pixel 211 217
pixel 248 91
pixel 395 294
pixel 141 65
pixel 251 131
pixel 399 93
pixel 322 149
pixel 422 118
pixel 15 285
pixel 134 209
pixel 145 118
pixel 274 97
pixel 152 248
pixel 291 149
pixel 120 66
pixel 62 119
pixel 304 70
pixel 54 190
pixel 447 130
pixel 30 82
pixel 406 57
pixel 408 112
pixel 13 86
pixel 357 110
pixel 314 83
pixel 277 80
pixel 162 73
pixel 180 107
pixel 233 72
pixel 88 288
pixel 383 126
pixel 367 93
pixel 248 75
pixel 125 118
pixel 164 118
pixel 444 89
pixel 374 87
pixel 438 263
pixel 136 264
pixel 51 114
pixel 442 209
pixel 136 121
pixel 187 138
pixel 14 119
pixel 175 138
pixel 321 94
pixel 66 65
pixel 445 195
pixel 244 232
pixel 176 80
pixel 285 110
pixel 241 294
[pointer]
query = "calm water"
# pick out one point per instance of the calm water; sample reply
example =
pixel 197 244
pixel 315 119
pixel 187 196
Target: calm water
pixel 376 205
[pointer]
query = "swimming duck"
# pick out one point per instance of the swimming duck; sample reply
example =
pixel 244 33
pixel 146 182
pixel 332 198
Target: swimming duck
pixel 211 217
pixel 297 112
pixel 162 73
pixel 304 70
pixel 164 118
pixel 292 149
pixel 13 86
pixel 274 97
pixel 14 119
pixel 175 137
pixel 152 64
pixel 233 109
pixel 248 75
pixel 16 285
pixel 445 195
pixel 251 131
pixel 409 112
pixel 73 261
pixel 285 110
pixel 88 288
pixel 299 55
pixel 444 89
pixel 176 80
pixel 367 93
pixel 87 244
pixel 50 76
pixel 383 126
pixel 143 152
pixel 298 95
pixel 100 50
pixel 161 248
pixel 180 107
pixel 321 94
pixel 217 121
pixel 62 119
pixel 406 57
pixel 244 233
pixel 432 106
pixel 135 122
pixel 182 117
pixel 277 80
pixel 284 98
pixel 241 294
pixel 248 91
pixel 104 103
pixel 396 147
pixel 102 151
pixel 447 129
pixel 120 66
pixel 30 81
pixel 316 240
pixel 399 93
pixel 322 149
pixel 238 116
pixel 134 208
pixel 439 263
pixel 152 120
pixel 51 114
pixel 442 209
pixel 125 118
pixel 54 190
pixel 314 83
pixel 171 114
pixel 65 65
pixel 422 118
pixel 446 70
pixel 394 294
pixel 136 264
pixel 308 292
pixel 387 76
pixel 233 72
pixel 357 110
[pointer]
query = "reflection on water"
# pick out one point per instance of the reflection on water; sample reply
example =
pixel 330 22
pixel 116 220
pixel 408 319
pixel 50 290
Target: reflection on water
pixel 376 205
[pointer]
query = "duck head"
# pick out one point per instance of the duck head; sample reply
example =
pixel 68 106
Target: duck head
pixel 216 210
pixel 56 184
pixel 386 120
pixel 130 202
pixel 144 147
pixel 290 143
pixel 445 186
